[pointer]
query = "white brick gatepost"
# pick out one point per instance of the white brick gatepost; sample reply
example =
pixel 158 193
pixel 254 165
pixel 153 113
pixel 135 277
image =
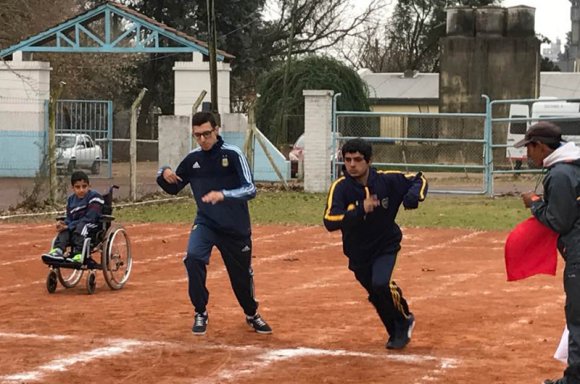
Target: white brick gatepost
pixel 317 139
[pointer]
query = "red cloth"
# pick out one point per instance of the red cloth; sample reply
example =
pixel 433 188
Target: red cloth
pixel 530 249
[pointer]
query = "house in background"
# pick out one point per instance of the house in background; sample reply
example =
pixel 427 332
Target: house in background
pixel 415 92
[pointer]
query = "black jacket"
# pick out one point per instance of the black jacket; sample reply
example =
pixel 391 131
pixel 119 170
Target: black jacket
pixel 560 208
pixel 366 236
pixel 223 168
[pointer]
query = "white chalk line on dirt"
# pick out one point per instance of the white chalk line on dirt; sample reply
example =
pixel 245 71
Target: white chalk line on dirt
pixel 18 286
pixel 269 357
pixel 168 256
pixel 34 336
pixel 183 235
pixel 114 348
pixel 265 357
pixel 445 244
pixel 21 228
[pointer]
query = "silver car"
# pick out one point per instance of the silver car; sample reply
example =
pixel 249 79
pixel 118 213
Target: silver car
pixel 77 151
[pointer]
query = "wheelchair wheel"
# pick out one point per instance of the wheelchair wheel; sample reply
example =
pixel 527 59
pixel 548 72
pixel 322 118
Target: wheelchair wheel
pixel 116 258
pixel 91 282
pixel 69 278
pixel 51 282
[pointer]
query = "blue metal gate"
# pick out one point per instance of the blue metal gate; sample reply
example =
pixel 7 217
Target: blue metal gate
pixel 84 134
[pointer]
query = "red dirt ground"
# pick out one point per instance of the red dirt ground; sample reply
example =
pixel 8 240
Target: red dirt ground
pixel 472 326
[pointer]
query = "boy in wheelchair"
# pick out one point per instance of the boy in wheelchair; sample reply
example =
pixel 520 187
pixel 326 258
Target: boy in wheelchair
pixel 84 208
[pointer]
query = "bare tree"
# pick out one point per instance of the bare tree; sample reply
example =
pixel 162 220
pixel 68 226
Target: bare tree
pixel 313 25
pixel 410 38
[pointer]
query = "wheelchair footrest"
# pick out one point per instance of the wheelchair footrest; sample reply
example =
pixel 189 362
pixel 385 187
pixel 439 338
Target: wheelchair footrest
pixel 90 263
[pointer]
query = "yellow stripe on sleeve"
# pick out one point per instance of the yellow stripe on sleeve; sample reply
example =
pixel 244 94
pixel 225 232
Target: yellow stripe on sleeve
pixel 327 215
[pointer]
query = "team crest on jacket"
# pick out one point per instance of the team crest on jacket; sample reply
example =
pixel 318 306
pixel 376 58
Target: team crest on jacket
pixel 385 203
pixel 225 161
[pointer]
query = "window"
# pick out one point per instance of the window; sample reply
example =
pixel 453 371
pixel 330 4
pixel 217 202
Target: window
pixel 518 128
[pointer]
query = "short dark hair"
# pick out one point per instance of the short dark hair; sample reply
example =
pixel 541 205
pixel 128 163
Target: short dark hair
pixel 358 145
pixel 203 117
pixel 78 176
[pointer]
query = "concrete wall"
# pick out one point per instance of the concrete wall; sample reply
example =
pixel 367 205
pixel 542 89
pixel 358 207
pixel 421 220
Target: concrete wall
pixel 317 139
pixel 175 142
pixel 174 139
pixel 24 89
pixel 489 50
pixel 192 77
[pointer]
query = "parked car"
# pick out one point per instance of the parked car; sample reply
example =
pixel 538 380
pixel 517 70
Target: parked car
pixel 77 151
pixel 296 155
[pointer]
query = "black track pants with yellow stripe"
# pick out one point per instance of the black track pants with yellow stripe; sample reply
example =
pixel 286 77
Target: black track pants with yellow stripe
pixel 384 294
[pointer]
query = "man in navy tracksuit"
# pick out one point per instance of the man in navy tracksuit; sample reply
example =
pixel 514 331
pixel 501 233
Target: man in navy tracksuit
pixel 221 182
pixel 363 204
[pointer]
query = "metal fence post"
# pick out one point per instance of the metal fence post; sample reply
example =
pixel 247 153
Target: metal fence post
pixel 110 137
pixel 334 136
pixel 487 148
pixel 133 145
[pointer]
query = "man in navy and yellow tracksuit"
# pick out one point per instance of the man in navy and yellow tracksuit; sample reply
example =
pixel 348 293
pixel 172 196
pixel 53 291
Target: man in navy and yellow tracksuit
pixel 221 182
pixel 363 204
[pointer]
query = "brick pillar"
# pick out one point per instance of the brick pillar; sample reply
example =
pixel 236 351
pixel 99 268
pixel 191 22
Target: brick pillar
pixel 317 136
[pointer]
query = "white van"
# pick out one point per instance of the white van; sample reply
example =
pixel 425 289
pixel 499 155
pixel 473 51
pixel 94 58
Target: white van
pixel 516 132
pixel 541 110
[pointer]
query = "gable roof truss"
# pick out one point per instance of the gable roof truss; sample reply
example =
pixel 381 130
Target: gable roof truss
pixel 111 28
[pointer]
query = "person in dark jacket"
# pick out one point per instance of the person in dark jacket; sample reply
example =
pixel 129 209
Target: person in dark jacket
pixel 363 204
pixel 222 183
pixel 83 211
pixel 559 210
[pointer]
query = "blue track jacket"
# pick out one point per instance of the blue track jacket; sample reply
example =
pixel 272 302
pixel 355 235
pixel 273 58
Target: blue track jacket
pixel 80 212
pixel 366 236
pixel 223 168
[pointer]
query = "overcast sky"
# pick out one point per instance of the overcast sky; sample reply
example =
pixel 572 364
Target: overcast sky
pixel 552 16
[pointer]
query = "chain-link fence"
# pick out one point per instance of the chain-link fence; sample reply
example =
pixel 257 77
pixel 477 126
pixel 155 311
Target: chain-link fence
pixel 509 166
pixel 448 146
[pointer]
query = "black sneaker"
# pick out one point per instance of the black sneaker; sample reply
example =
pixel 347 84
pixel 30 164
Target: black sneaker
pixel 200 324
pixel 258 324
pixel 400 340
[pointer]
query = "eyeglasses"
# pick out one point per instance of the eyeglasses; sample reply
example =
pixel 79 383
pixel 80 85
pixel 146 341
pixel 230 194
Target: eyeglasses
pixel 205 134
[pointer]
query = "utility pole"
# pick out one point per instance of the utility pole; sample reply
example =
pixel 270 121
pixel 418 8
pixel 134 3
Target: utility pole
pixel 211 26
pixel 282 134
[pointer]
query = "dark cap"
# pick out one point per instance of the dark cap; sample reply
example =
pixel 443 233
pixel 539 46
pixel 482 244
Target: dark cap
pixel 541 132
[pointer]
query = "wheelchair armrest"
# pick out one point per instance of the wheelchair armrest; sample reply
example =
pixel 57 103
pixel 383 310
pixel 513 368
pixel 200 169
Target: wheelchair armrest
pixel 107 218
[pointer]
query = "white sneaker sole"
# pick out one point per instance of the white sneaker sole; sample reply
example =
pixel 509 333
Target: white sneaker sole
pixel 410 331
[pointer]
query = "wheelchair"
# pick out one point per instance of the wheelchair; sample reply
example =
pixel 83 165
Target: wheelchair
pixel 109 240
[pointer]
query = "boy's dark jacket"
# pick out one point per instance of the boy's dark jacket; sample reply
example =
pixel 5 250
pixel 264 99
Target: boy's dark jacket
pixel 366 235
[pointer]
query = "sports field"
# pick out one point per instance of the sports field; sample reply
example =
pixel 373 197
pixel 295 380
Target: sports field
pixel 472 326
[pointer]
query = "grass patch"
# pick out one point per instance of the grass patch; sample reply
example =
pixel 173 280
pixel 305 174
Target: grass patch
pixel 475 212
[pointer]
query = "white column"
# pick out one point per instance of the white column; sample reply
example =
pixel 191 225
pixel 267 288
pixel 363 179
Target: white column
pixel 174 139
pixel 317 139
pixel 192 77
pixel 24 89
